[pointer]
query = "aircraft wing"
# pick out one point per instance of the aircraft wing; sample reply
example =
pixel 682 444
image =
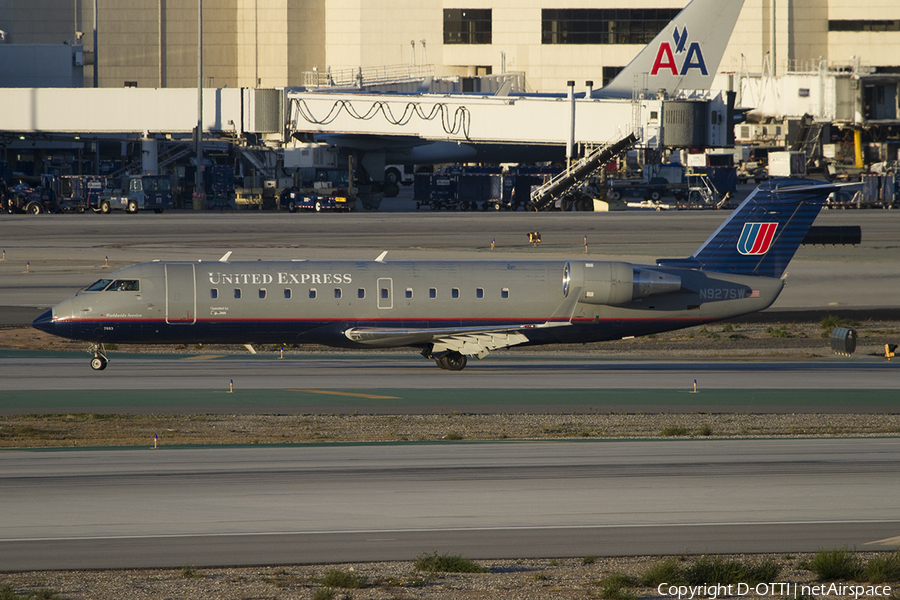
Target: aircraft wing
pixel 468 341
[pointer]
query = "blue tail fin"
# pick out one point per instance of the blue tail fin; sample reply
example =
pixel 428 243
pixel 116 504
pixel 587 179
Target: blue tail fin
pixel 763 233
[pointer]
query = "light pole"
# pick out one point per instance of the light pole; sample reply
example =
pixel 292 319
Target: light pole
pixel 198 178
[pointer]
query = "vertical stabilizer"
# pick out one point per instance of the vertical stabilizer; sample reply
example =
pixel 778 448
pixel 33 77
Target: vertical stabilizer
pixel 763 233
pixel 686 53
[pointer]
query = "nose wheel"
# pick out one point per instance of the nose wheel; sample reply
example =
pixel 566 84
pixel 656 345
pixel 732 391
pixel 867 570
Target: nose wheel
pixel 100 360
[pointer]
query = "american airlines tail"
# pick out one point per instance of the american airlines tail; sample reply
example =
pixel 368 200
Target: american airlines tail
pixel 763 233
pixel 686 53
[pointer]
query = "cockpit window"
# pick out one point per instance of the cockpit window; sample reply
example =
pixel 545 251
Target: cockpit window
pixel 125 285
pixel 119 285
pixel 98 286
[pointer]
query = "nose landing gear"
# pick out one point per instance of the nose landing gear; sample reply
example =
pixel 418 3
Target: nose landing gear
pixel 100 360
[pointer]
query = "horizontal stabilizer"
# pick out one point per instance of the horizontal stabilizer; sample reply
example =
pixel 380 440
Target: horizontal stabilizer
pixel 762 234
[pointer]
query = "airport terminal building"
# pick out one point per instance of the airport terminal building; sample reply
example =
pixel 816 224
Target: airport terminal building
pixel 279 43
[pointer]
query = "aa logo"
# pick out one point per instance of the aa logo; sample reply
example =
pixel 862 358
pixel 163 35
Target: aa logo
pixel 665 57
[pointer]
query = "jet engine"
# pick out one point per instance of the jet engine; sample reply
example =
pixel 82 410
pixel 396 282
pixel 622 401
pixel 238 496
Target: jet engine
pixel 616 283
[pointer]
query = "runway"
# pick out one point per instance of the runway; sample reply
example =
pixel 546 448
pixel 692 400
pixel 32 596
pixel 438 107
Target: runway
pixel 321 503
pixel 399 383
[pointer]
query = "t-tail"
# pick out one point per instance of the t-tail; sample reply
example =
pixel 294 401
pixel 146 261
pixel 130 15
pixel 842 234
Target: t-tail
pixel 686 53
pixel 762 234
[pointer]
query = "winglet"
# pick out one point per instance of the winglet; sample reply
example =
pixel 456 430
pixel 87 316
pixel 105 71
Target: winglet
pixel 381 256
pixel 225 257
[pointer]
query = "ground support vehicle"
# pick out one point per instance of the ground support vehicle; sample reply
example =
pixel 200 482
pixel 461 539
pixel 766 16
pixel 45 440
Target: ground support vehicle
pixel 142 192
pixel 22 198
pixel 466 189
pixel 55 194
pixel 295 200
pixel 77 192
pixel 653 190
pixel 248 198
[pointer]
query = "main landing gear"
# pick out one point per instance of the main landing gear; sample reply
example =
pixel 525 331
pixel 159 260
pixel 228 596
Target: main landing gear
pixel 100 360
pixel 451 361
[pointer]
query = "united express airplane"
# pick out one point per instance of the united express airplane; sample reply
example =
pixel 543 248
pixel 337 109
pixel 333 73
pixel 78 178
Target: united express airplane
pixel 451 310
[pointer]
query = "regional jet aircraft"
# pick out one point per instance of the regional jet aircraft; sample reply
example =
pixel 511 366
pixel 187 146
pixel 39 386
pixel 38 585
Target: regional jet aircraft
pixel 450 310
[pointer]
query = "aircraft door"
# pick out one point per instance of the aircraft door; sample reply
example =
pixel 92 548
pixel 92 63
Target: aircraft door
pixel 385 286
pixel 181 295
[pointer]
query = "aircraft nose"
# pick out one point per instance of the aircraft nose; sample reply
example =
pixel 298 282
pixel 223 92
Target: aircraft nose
pixel 45 322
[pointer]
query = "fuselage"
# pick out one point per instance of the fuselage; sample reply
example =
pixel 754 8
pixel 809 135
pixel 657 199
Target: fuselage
pixel 326 302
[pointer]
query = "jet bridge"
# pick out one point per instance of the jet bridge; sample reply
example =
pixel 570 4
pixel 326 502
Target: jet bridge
pixel 462 118
pixel 452 128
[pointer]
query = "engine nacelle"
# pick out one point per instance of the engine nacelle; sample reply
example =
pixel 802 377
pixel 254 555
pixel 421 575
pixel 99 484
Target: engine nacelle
pixel 616 283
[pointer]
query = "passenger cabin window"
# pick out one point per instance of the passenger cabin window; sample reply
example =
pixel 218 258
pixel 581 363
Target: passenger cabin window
pixel 504 293
pixel 287 293
pixel 409 292
pixel 432 293
pixel 262 293
pixel 337 293
pixel 479 292
pixel 361 293
pixel 312 293
pixel 213 293
pixel 237 292
pixel 454 293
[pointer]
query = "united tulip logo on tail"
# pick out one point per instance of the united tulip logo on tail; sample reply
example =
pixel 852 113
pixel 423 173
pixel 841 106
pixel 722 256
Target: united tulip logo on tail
pixel 756 238
pixel 665 58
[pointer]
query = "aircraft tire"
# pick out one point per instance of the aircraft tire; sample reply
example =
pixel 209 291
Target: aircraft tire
pixel 452 361
pixel 98 363
pixel 390 189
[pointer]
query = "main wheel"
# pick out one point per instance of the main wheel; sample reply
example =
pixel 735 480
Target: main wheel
pixel 98 363
pixel 452 361
pixel 390 189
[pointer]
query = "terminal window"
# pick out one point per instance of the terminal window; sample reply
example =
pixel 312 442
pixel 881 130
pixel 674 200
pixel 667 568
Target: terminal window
pixel 870 25
pixel 603 25
pixel 467 25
